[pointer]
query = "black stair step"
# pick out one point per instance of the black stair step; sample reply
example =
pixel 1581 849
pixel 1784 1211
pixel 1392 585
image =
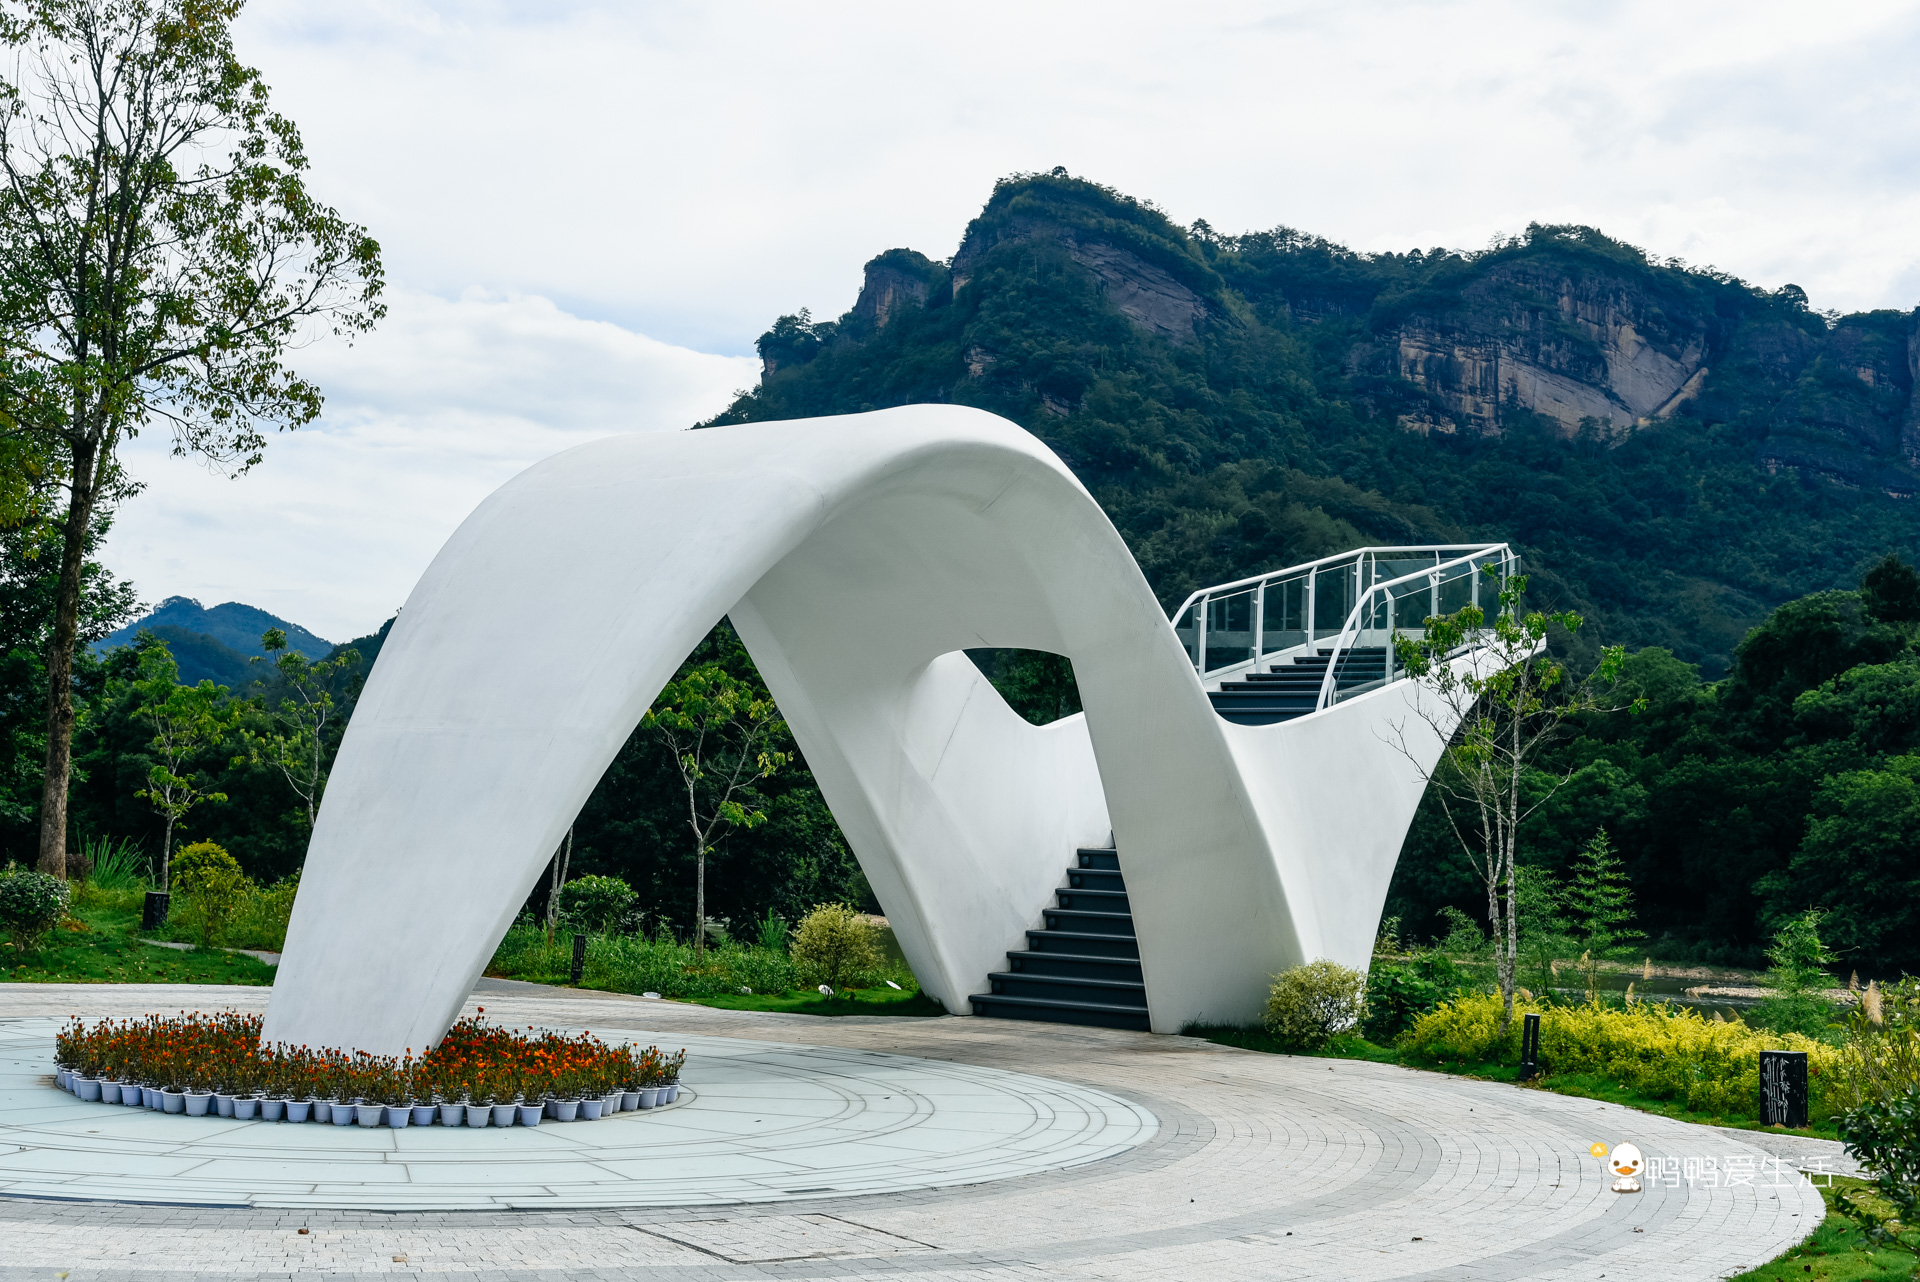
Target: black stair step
pixel 1087 921
pixel 1095 879
pixel 1107 860
pixel 1100 901
pixel 1096 1014
pixel 1067 988
pixel 1076 965
pixel 1259 716
pixel 1083 944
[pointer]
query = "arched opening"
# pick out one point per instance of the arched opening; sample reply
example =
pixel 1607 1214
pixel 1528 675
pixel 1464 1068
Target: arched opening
pixel 1037 684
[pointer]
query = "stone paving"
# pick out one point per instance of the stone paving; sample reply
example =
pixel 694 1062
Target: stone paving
pixel 1262 1166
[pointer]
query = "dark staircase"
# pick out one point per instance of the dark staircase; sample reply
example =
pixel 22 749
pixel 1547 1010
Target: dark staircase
pixel 1288 690
pixel 1084 968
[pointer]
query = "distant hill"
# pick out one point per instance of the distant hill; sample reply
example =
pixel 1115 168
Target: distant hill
pixel 1675 452
pixel 215 644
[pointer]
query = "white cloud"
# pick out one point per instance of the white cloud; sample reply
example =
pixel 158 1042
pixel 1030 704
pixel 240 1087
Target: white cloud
pixel 446 401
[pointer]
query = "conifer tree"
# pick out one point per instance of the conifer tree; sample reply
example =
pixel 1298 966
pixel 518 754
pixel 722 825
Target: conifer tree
pixel 1599 906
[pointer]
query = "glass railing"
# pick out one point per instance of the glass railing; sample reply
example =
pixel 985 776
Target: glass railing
pixel 1357 600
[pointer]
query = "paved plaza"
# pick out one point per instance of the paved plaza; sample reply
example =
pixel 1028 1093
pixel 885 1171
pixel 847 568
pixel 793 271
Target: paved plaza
pixel 1192 1162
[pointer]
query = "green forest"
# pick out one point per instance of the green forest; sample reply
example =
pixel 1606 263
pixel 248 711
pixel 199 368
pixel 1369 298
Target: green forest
pixel 1239 403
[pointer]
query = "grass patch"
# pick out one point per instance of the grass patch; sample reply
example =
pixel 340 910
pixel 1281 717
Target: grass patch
pixel 1840 1250
pixel 102 945
pixel 861 1001
pixel 1580 1085
pixel 716 977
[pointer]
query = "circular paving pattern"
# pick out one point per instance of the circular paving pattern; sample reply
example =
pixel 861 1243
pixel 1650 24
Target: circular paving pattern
pixel 758 1121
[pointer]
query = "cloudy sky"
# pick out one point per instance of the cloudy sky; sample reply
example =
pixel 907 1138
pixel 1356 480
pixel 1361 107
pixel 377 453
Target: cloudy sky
pixel 589 211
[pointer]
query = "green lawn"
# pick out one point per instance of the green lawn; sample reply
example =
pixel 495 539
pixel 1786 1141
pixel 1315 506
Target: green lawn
pixel 107 949
pixel 1839 1250
pixel 1581 1085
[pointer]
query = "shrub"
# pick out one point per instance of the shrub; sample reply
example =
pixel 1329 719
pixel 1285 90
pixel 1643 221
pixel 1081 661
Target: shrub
pixel 117 865
pixel 833 943
pixel 1400 992
pixel 1664 1051
pixel 211 880
pixel 774 930
pixel 1880 1089
pixel 31 904
pixel 1309 1005
pixel 1797 977
pixel 596 903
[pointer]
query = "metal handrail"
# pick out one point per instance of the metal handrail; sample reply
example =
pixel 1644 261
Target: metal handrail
pixel 1328 686
pixel 1310 574
pixel 1352 553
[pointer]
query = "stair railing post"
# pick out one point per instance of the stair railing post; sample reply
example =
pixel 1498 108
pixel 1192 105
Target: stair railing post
pixel 1200 635
pixel 1259 623
pixel 1312 574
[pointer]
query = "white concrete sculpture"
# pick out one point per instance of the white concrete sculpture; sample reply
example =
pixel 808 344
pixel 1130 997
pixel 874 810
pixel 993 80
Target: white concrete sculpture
pixel 857 557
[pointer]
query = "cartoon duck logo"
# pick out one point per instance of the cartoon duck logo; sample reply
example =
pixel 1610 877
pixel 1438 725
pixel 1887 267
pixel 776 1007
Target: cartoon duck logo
pixel 1626 1164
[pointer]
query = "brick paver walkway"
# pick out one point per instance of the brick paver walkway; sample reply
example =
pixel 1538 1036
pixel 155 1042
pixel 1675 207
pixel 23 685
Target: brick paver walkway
pixel 1263 1167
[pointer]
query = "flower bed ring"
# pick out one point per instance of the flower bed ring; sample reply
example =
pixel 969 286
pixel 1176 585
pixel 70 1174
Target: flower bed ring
pixel 480 1075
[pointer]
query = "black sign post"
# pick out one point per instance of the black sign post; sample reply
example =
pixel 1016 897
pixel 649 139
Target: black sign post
pixel 1530 1048
pixel 579 957
pixel 154 915
pixel 1783 1088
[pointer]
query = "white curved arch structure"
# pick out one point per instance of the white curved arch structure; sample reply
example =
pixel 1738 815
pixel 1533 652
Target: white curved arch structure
pixel 856 557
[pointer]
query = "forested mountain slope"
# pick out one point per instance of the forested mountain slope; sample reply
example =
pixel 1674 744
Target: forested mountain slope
pixel 1675 451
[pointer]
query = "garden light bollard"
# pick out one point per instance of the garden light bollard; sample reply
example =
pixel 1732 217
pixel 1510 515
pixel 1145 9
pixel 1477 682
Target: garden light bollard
pixel 579 957
pixel 1783 1088
pixel 154 915
pixel 1530 1048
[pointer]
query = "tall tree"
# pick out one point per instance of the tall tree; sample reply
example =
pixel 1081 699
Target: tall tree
pixel 297 744
pixel 159 256
pixel 1508 700
pixel 722 737
pixel 1599 903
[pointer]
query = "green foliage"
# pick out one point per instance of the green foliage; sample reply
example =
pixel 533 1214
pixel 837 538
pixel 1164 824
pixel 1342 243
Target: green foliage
pixel 1309 1005
pixel 1036 684
pixel 185 720
pixel 1796 977
pixel 773 932
pixel 1599 908
pixel 296 745
pixel 117 865
pixel 1663 1051
pixel 1881 1093
pixel 210 882
pixel 31 905
pixel 596 902
pixel 833 943
pixel 1399 992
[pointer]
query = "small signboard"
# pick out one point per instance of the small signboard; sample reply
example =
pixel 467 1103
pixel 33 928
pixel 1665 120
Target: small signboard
pixel 1783 1088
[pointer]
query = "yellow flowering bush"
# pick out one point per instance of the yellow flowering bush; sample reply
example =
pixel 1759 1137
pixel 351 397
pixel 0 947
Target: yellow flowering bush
pixel 1664 1051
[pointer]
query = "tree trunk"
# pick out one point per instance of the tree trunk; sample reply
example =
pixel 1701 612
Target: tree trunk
pixel 700 902
pixel 166 851
pixel 66 630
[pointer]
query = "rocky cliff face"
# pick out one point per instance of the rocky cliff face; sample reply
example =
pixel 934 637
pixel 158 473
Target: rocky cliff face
pixel 1143 291
pixel 1575 350
pixel 895 282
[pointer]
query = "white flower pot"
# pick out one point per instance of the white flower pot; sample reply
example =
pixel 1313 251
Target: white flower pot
pixel 341 1114
pixel 629 1100
pixel 273 1110
pixel 452 1114
pixel 649 1097
pixel 529 1114
pixel 503 1114
pixel 132 1095
pixel 198 1105
pixel 370 1115
pixel 223 1104
pixel 479 1114
pixel 590 1109
pixel 299 1110
pixel 423 1115
pixel 398 1115
pixel 566 1110
pixel 246 1109
pixel 88 1088
pixel 173 1101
